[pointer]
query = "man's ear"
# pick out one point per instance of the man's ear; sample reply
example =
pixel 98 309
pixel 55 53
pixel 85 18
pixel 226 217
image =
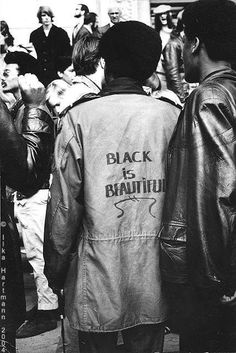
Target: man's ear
pixel 102 63
pixel 60 74
pixel 195 45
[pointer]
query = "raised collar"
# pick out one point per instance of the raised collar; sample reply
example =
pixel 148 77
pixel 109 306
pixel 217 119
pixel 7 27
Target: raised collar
pixel 220 72
pixel 122 85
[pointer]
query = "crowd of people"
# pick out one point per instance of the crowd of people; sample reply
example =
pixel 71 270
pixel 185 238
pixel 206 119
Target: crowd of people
pixel 122 179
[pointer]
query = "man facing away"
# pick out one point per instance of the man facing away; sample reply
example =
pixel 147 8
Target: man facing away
pixel 104 215
pixel 90 27
pixel 198 238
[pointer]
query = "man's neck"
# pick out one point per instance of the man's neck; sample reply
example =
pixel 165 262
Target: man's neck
pixel 47 27
pixel 17 94
pixel 79 21
pixel 96 78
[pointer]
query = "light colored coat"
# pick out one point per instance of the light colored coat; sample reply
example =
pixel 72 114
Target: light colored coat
pixel 105 210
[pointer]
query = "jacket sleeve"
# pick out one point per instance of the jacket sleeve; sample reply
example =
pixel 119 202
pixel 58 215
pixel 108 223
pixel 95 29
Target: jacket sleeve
pixel 212 189
pixel 198 237
pixel 65 207
pixel 26 157
pixel 172 60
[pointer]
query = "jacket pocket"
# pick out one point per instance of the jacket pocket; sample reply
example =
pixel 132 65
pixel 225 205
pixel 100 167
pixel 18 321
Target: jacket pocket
pixel 173 253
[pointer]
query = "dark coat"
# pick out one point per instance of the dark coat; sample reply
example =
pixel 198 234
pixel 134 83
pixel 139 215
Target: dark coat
pixel 49 48
pixel 103 29
pixel 82 32
pixel 25 162
pixel 198 238
pixel 174 66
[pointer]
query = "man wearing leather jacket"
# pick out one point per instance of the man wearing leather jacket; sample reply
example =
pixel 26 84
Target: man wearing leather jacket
pixel 24 160
pixel 30 208
pixel 173 62
pixel 198 238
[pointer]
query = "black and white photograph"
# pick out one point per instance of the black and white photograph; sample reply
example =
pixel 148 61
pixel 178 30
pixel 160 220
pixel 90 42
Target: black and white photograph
pixel 118 176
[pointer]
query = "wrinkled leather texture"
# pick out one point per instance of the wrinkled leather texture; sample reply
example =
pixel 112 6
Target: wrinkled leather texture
pixel 198 238
pixel 103 247
pixel 174 66
pixel 24 163
pixel 26 158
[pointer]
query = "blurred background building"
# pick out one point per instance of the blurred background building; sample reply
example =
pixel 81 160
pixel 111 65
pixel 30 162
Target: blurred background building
pixel 21 15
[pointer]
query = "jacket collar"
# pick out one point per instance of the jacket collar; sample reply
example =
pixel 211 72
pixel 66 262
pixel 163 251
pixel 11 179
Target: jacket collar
pixel 122 85
pixel 221 72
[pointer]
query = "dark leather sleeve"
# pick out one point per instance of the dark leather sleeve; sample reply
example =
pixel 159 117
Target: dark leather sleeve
pixel 198 238
pixel 26 158
pixel 172 64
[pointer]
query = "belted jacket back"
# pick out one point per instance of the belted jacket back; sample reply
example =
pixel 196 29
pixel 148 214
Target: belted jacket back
pixel 105 211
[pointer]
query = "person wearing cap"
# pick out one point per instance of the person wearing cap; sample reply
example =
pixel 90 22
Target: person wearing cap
pixel 104 214
pixel 50 42
pixel 164 26
pixel 198 236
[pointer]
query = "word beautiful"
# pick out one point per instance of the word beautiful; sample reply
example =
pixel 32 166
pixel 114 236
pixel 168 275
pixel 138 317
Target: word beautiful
pixel 142 186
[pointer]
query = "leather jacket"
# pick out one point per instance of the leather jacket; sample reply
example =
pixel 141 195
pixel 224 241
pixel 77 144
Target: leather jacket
pixel 24 161
pixel 198 237
pixel 174 66
pixel 104 214
pixel 26 157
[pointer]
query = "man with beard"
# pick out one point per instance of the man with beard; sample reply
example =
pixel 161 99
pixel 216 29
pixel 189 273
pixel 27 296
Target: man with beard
pixel 80 11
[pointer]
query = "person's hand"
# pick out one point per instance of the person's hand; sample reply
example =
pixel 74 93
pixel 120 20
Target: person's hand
pixel 228 299
pixel 32 90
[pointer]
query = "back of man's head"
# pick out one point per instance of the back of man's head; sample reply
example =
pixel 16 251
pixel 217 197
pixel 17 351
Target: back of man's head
pixel 214 23
pixel 85 56
pixel 130 49
pixel 90 18
pixel 26 63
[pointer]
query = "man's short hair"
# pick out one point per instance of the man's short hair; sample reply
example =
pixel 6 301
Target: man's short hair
pixel 112 8
pixel 214 23
pixel 130 49
pixel 85 56
pixel 90 18
pixel 26 62
pixel 4 29
pixel 44 9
